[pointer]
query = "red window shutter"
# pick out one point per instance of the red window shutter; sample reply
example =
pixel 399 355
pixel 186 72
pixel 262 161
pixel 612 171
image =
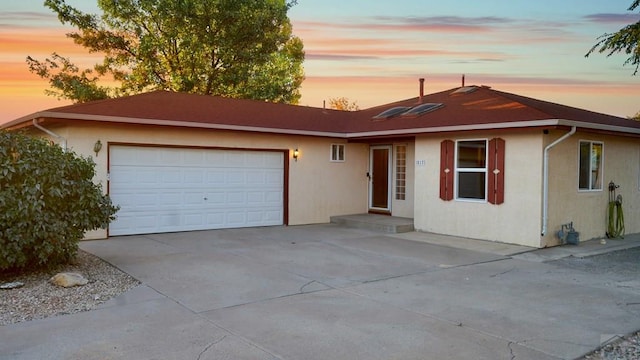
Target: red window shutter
pixel 446 169
pixel 496 171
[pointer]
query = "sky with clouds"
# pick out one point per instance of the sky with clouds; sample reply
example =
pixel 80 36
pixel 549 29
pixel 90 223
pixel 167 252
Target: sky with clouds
pixel 373 52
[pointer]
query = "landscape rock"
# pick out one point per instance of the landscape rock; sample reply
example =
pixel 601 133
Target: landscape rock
pixel 12 285
pixel 68 279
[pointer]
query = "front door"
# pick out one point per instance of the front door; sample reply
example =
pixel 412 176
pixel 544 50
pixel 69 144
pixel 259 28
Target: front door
pixel 380 178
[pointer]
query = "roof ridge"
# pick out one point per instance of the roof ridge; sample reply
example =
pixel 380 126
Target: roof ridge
pixel 99 101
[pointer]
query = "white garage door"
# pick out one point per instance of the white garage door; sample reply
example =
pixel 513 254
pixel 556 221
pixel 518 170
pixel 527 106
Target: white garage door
pixel 176 189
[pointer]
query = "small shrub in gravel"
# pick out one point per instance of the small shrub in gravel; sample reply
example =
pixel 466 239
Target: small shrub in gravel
pixel 38 298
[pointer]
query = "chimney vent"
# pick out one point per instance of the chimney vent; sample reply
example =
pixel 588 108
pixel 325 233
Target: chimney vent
pixel 421 90
pixel 462 80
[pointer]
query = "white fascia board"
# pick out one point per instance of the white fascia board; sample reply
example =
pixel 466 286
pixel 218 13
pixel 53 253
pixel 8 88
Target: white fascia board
pixel 363 134
pixel 27 120
pixel 188 124
pixel 603 127
pixel 492 126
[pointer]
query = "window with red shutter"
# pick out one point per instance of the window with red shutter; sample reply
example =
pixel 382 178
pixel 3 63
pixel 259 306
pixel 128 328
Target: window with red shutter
pixel 473 168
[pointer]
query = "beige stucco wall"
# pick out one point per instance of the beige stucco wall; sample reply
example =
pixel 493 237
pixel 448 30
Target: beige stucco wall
pixel 318 188
pixel 587 209
pixel 516 221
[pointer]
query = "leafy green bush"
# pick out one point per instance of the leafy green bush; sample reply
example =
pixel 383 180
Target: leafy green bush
pixel 47 202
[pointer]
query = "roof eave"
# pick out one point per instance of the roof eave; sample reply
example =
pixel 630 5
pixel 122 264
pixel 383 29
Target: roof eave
pixel 22 122
pixel 26 121
pixel 497 126
pixel 173 123
pixel 600 127
pixel 457 128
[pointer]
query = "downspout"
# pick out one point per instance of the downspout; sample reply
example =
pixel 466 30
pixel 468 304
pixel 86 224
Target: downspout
pixel 63 141
pixel 545 179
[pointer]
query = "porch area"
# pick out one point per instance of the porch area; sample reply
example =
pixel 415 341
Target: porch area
pixel 380 223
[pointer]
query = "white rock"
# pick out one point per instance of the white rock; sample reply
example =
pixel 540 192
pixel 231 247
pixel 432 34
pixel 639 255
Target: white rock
pixel 68 280
pixel 12 285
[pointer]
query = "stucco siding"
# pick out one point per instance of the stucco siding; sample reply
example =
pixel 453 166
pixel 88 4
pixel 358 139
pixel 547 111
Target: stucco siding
pixel 517 220
pixel 318 188
pixel 588 209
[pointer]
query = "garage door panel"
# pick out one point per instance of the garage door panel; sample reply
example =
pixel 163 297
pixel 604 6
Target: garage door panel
pixel 273 197
pixel 236 158
pixel 235 177
pixel 216 157
pixel 256 198
pixel 194 199
pixel 169 189
pixel 215 176
pixel 273 178
pixel 193 219
pixel 170 176
pixel 146 176
pixel 193 177
pixel 236 219
pixel 236 199
pixel 256 177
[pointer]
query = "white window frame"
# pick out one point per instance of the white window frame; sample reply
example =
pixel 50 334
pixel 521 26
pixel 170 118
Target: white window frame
pixel 334 153
pixel 470 170
pixel 601 174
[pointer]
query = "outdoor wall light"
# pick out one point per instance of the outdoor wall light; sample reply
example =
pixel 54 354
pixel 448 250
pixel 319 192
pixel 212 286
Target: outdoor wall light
pixel 296 153
pixel 97 147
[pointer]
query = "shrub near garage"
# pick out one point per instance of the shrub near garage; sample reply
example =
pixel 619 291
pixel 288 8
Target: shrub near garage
pixel 47 202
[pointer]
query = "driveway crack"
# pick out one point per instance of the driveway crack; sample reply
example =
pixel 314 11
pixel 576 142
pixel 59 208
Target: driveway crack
pixel 209 346
pixel 513 356
pixel 301 290
pixel 502 273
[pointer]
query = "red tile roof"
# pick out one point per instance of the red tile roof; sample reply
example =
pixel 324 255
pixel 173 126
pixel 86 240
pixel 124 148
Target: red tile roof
pixel 480 107
pixel 191 108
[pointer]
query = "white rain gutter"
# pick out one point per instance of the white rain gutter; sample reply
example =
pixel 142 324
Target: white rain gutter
pixel 545 179
pixel 63 141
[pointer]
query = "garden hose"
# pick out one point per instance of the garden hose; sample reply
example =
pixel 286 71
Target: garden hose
pixel 616 219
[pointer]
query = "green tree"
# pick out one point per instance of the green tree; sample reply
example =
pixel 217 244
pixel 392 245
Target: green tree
pixel 240 49
pixel 625 40
pixel 635 117
pixel 47 202
pixel 343 103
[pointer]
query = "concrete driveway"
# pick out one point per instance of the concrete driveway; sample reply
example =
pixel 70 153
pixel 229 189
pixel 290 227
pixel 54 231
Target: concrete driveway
pixel 326 292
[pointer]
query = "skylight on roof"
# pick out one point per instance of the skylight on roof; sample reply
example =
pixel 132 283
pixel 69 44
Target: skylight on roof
pixel 422 109
pixel 465 90
pixel 389 113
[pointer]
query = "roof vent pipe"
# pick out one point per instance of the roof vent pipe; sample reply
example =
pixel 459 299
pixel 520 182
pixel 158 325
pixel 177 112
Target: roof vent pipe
pixel 421 90
pixel 462 80
pixel 63 141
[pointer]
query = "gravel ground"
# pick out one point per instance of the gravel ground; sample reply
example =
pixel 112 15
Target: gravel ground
pixel 38 298
pixel 623 265
pixel 626 348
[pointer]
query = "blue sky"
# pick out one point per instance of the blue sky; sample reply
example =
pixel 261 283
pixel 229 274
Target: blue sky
pixel 373 52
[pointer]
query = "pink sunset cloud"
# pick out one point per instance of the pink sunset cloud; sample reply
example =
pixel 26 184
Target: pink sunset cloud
pixel 409 33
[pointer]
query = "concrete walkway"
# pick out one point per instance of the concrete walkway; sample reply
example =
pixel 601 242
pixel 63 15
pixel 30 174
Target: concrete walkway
pixel 326 292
